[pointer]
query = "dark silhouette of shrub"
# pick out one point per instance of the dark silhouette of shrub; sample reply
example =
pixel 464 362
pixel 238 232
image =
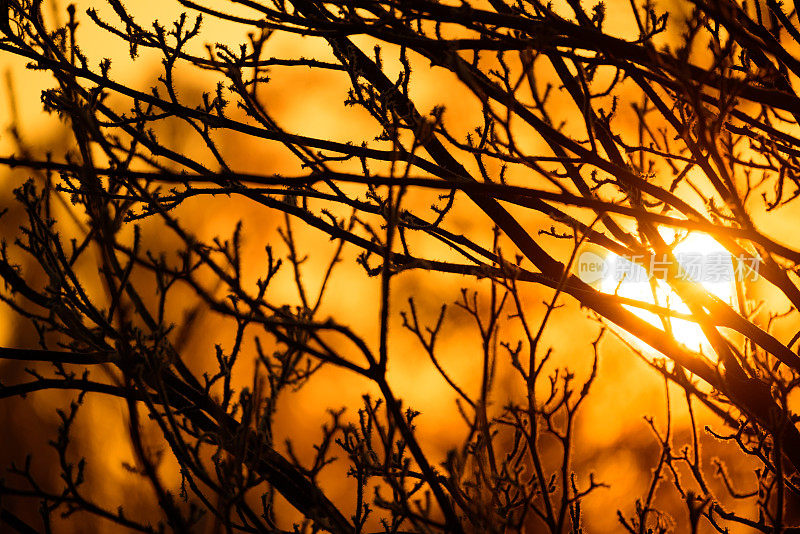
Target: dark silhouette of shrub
pixel 603 121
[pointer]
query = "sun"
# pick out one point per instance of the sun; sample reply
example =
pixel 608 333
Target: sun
pixel 703 261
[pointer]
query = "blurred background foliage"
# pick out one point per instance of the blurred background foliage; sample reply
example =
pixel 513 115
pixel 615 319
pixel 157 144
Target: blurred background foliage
pixel 612 438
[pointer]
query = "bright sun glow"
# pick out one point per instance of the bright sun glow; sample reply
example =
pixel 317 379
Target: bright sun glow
pixel 703 260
